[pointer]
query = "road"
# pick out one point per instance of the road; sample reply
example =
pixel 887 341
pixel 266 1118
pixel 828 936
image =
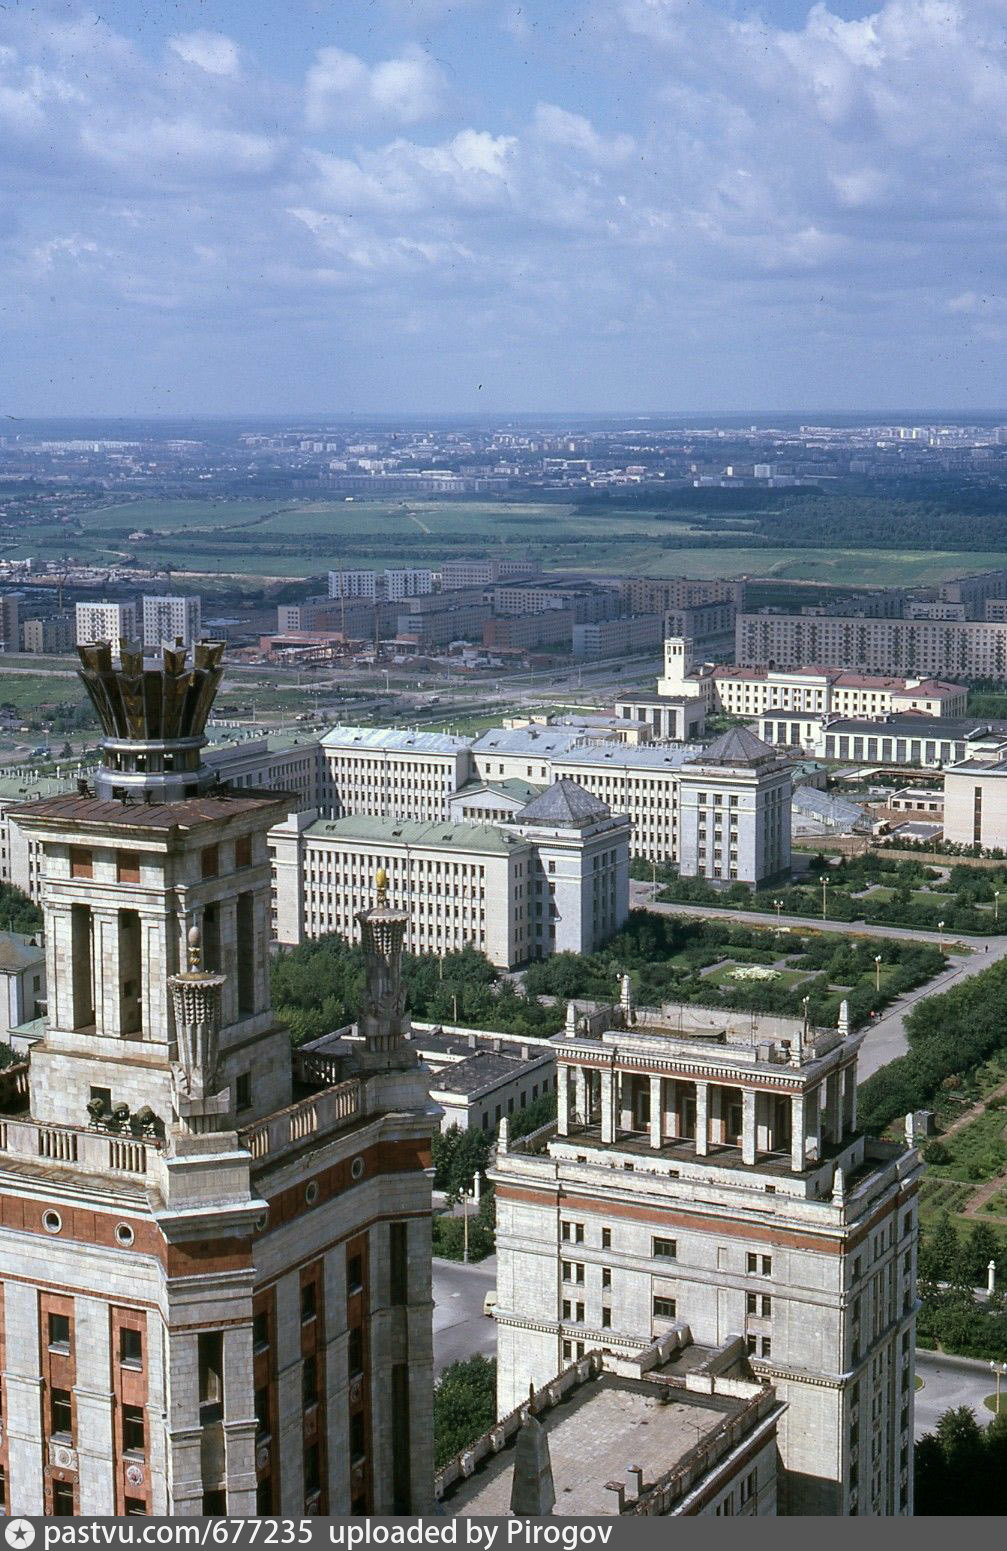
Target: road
pixel 460 1327
pixel 886 1037
pixel 949 1382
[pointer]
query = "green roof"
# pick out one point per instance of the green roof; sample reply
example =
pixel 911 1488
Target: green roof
pixel 439 836
pixel 510 786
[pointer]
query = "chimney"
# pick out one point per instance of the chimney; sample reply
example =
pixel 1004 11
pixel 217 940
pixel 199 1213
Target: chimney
pixel 634 1479
pixel 618 1490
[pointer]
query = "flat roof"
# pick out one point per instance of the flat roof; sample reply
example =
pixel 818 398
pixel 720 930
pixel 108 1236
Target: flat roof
pixel 527 740
pixel 603 1425
pixel 404 739
pixel 439 835
pixel 942 728
pixel 645 756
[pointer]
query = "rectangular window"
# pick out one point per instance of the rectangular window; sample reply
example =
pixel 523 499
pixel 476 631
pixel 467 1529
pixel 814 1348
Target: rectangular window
pixel 133 1434
pixel 309 1301
pixel 312 1469
pixel 59 1332
pixel 243 851
pixel 243 1091
pixel 209 861
pixel 130 1347
pixel 309 1382
pixel 606 1238
pixel 81 862
pixel 606 1318
pixel 262 1409
pixel 354 1274
pixel 664 1308
pixel 62 1499
pixel 127 867
pixel 566 1309
pixel 606 1276
pixel 665 1249
pixel 398 1245
pixel 211 1376
pixel 260 1331
pixel 60 1413
pixel 135 1507
pixel 766 1347
pixel 767 1265
pixel 767 1307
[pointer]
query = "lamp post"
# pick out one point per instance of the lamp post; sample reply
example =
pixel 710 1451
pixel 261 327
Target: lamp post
pixel 877 972
pixel 996 904
pixel 778 906
pixel 825 884
pixel 940 928
pixel 999 1369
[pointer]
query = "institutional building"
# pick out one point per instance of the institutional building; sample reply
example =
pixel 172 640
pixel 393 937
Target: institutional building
pixel 171 621
pixel 113 622
pixel 385 772
pixel 975 801
pixel 734 810
pixel 215 1263
pixel 707 1173
pixel 552 878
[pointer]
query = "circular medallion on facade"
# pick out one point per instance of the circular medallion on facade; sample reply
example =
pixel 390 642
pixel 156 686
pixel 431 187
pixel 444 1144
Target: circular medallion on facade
pixel 311 1192
pixel 52 1222
pixel 123 1234
pixel 134 1475
pixel 357 1168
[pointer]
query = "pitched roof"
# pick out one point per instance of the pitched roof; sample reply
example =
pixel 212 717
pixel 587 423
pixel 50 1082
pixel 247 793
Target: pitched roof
pixel 18 952
pixel 565 802
pixel 735 747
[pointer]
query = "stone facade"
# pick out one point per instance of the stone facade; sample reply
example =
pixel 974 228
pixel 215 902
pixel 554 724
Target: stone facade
pixel 709 1173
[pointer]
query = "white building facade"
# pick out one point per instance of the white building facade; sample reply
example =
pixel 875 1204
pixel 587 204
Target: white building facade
pixel 105 622
pixel 171 621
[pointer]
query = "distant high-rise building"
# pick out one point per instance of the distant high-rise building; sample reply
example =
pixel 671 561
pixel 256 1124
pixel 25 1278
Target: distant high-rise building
pixel 10 635
pixel 171 621
pixel 105 621
pixel 54 633
pixel 353 584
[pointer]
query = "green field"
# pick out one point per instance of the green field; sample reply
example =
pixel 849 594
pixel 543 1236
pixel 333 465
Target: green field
pixel 247 539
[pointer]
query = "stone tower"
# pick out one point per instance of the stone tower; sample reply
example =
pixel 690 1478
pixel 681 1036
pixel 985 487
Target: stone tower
pixel 215 1269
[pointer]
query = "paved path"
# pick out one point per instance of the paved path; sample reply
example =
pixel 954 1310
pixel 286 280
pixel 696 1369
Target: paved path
pixel 460 1327
pixel 886 1036
pixel 949 1382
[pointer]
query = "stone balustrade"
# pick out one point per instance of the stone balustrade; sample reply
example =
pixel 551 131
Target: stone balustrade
pixel 324 1111
pixel 86 1147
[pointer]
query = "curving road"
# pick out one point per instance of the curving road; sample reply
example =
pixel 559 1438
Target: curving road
pixel 886 1037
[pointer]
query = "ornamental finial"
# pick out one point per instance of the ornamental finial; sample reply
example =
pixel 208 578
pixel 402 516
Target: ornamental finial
pixel 381 886
pixel 195 942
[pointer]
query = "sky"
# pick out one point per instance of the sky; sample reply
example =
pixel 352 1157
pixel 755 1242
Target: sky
pixel 282 207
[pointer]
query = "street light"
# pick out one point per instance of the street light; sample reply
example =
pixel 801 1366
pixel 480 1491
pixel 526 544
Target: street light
pixel 999 1369
pixel 877 972
pixel 996 904
pixel 778 904
pixel 940 928
pixel 825 884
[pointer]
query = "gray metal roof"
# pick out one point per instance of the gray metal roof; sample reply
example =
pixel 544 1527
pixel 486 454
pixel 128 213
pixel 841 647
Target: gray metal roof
pixel 563 803
pixel 527 740
pixel 625 756
pixel 400 739
pixel 17 952
pixel 736 747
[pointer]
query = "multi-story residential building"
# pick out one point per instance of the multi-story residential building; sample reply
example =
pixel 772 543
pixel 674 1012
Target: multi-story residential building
pixel 10 632
pixel 431 627
pixel 525 632
pixel 483 573
pixel 586 603
pixel 388 772
pixel 964 650
pixel 618 637
pixel 661 595
pixel 707 1172
pixel 22 980
pixel 975 591
pixel 171 621
pixel 709 625
pixel 113 622
pixel 552 878
pixel 407 582
pixel 216 1264
pixel 353 584
pixel 51 634
pixel 734 811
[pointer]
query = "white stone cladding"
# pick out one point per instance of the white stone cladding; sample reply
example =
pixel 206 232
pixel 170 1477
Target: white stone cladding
pixel 652 1212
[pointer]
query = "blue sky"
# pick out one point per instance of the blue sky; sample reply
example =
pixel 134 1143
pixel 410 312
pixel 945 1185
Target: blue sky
pixel 336 206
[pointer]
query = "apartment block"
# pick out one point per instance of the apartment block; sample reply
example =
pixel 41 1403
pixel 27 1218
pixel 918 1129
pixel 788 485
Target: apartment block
pixel 113 622
pixel 962 650
pixel 707 1179
pixel 53 633
pixel 618 637
pixel 526 632
pixel 483 573
pixel 171 621
pixel 662 594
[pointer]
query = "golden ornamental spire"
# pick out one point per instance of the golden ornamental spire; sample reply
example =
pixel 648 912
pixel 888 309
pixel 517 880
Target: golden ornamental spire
pixel 381 886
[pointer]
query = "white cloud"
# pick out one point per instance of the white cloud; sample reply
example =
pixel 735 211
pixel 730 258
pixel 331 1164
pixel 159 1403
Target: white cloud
pixel 556 126
pixel 342 91
pixel 210 51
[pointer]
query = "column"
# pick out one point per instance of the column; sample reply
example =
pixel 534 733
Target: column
pixel 562 1100
pixel 814 1119
pixel 834 1107
pixel 107 991
pixel 748 1138
pixel 608 1086
pixel 580 1092
pixel 797 1107
pixel 702 1118
pixel 850 1098
pixel 656 1112
pixel 239 1420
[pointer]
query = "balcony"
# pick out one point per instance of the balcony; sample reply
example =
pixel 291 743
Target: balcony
pixel 85 1148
